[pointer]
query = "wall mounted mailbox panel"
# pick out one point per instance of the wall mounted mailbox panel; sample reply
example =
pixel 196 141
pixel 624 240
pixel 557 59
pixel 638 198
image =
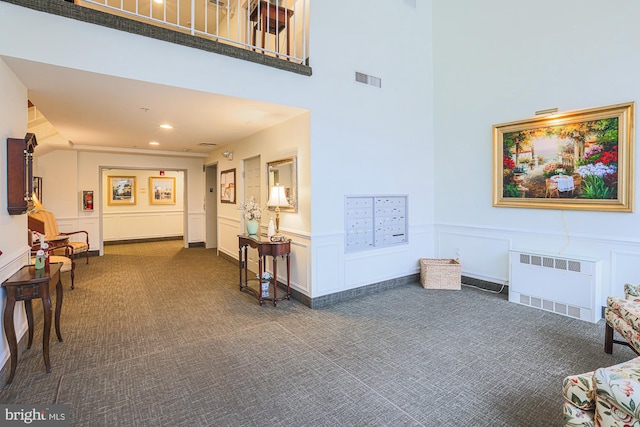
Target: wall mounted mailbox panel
pixel 375 222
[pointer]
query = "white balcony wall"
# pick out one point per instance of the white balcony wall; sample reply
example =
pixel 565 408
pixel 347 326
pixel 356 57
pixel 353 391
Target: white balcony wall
pixel 359 139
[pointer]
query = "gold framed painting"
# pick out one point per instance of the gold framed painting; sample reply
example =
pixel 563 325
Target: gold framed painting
pixel 579 160
pixel 121 190
pixel 228 186
pixel 162 190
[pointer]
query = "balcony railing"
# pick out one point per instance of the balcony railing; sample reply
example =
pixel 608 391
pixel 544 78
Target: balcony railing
pixel 276 28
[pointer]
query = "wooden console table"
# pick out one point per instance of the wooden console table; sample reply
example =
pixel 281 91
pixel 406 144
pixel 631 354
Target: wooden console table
pixel 25 285
pixel 265 248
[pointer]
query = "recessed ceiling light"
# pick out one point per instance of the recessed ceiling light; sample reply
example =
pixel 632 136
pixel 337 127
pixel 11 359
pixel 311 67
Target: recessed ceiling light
pixel 166 126
pixel 157 1
pixel 154 143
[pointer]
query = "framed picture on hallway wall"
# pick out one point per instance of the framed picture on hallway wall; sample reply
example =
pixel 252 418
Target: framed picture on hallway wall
pixel 580 160
pixel 162 190
pixel 121 190
pixel 228 186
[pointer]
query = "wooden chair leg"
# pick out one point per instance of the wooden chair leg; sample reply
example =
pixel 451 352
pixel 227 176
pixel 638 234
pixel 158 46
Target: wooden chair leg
pixel 73 273
pixel 608 339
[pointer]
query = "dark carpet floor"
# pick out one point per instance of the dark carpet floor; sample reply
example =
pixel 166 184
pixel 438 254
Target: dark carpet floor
pixel 158 335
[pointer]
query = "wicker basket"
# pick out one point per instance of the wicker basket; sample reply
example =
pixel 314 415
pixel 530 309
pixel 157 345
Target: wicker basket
pixel 440 273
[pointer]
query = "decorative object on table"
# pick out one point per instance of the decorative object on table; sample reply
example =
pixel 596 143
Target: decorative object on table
pixel 162 190
pixel 228 186
pixel 264 283
pixel 39 259
pixel 271 230
pixel 121 190
pixel 252 212
pixel 579 160
pixel 44 247
pixel 277 199
pixel 440 273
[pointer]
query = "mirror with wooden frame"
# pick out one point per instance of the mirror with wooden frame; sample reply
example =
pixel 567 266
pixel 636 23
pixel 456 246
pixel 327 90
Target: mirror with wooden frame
pixel 283 172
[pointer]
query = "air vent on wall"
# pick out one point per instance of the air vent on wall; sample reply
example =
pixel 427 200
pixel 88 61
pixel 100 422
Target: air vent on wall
pixel 368 80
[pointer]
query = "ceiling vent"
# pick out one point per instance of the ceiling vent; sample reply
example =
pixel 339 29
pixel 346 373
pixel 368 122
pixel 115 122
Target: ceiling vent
pixel 208 144
pixel 368 80
pixel 217 2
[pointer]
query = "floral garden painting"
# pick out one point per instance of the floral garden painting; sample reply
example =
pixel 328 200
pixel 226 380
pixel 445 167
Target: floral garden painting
pixel 577 160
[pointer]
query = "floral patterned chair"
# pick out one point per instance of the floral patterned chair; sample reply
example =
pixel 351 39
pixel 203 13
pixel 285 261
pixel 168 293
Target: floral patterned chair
pixel 623 316
pixel 607 397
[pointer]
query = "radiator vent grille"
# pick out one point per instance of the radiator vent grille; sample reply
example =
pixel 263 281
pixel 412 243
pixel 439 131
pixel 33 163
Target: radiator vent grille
pixel 368 80
pixel 569 286
pixel 561 264
pixel 575 266
pixel 557 263
pixel 549 305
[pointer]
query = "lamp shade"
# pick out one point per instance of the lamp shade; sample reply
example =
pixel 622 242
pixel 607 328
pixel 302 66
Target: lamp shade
pixel 277 197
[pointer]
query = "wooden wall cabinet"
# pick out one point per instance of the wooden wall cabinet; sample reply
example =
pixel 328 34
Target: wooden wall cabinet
pixel 20 173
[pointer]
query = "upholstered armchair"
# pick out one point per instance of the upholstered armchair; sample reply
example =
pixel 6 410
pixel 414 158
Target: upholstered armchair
pixel 53 235
pixel 623 316
pixel 606 397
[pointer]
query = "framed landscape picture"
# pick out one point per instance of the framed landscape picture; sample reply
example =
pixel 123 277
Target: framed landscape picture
pixel 162 190
pixel 121 190
pixel 575 160
pixel 228 186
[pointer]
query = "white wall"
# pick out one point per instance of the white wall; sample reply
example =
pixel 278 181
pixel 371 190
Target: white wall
pixel 13 228
pixel 288 139
pixel 501 61
pixel 362 140
pixel 142 219
pixel 366 140
pixel 87 166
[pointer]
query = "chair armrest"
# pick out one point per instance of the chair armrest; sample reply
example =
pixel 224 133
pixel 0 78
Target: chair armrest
pixel 632 291
pixel 77 232
pixel 618 391
pixel 68 250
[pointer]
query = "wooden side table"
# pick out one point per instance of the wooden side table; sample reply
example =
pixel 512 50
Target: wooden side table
pixel 265 248
pixel 273 19
pixel 25 285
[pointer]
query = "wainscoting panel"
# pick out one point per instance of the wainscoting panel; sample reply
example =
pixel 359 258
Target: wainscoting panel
pixel 142 225
pixel 196 227
pixel 374 266
pixel 328 270
pixel 482 257
pixel 624 269
pixel 483 252
pixel 90 224
pixel 228 230
pixel 299 266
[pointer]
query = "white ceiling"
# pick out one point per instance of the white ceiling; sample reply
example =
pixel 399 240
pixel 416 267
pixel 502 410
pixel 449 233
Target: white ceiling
pixel 94 111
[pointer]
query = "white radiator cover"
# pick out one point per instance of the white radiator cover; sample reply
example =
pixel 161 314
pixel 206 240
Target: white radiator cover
pixel 565 285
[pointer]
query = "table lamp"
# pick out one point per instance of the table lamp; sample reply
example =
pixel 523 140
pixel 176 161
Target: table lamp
pixel 277 199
